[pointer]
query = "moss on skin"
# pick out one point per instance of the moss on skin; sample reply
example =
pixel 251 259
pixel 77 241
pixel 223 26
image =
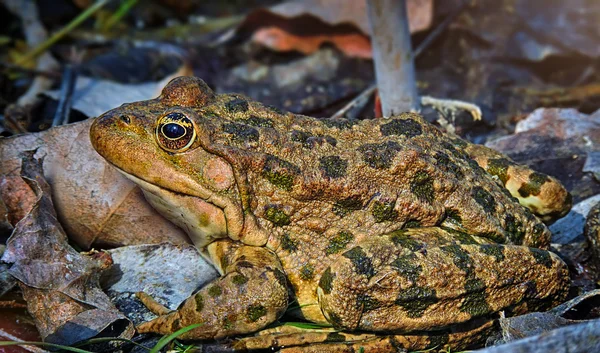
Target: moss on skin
pixel 255 312
pixel 499 168
pixel 339 242
pixel 288 244
pixel 277 216
pixel 199 302
pixel 345 206
pixel 408 267
pixel 534 185
pixel 484 199
pixel 333 166
pixel 215 291
pixel 461 237
pixel 362 263
pixel 422 186
pixel 239 279
pixel 415 300
pixel 307 272
pixel 383 211
pixel 402 127
pixel 401 238
pixel 326 281
pixel 237 105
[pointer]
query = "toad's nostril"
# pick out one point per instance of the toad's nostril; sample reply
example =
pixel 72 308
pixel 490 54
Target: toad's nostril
pixel 125 119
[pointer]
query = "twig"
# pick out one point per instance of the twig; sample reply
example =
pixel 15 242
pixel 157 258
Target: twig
pixel 359 100
pixel 42 47
pixel 35 33
pixel 393 56
pixel 61 116
pixel 31 72
pixel 418 51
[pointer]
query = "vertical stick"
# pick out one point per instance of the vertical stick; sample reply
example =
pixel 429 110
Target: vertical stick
pixel 393 56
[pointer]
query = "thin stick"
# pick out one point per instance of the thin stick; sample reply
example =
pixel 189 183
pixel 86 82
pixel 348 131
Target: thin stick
pixel 62 32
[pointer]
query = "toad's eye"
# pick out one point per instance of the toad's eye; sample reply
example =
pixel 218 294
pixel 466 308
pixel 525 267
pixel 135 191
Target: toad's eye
pixel 175 132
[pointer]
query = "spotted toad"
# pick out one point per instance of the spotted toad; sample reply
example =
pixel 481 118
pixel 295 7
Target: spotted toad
pixel 385 225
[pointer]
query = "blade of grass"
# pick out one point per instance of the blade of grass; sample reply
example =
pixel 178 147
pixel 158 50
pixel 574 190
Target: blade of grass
pixel 62 32
pixel 306 325
pixel 44 344
pixel 118 15
pixel 166 339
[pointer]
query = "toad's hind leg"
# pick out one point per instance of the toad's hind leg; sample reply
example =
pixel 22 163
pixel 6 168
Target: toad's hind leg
pixel 544 195
pixel 397 283
pixel 251 294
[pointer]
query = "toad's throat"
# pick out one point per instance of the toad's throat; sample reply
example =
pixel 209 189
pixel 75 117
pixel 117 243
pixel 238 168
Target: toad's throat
pixel 201 220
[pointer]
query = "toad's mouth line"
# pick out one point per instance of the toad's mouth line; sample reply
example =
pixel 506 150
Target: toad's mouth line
pixel 150 187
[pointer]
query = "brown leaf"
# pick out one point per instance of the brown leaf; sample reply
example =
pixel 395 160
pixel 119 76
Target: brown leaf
pixel 60 285
pixel 96 205
pixel 306 25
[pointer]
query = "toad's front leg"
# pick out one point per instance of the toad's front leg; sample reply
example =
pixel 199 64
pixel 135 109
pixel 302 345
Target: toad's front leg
pixel 251 294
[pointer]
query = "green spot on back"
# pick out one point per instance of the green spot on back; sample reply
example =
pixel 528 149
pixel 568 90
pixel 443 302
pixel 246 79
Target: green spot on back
pixel 515 229
pixel 257 121
pixel 237 105
pixel 475 303
pixel 415 300
pixel 493 250
pixel 542 257
pixel 333 166
pixel 534 185
pixel 255 312
pixel 241 132
pixel 499 168
pixel 383 211
pixel 484 199
pixel 276 215
pixel 281 180
pixel 379 155
pixel 215 291
pixel 199 302
pixel 347 205
pixel 287 243
pixel 408 266
pixel 401 238
pixel 362 263
pixel 367 303
pixel 307 272
pixel 339 242
pixel 239 279
pixel 402 127
pixel 422 186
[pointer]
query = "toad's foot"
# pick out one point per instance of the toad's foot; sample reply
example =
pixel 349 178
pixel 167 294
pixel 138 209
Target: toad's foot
pixel 251 294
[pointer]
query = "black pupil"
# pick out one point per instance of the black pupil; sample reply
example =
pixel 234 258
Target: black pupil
pixel 173 131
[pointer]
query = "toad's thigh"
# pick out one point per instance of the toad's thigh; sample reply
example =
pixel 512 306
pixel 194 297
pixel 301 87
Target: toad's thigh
pixel 381 285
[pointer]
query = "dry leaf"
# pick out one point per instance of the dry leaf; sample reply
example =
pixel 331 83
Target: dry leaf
pixel 306 25
pixel 60 285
